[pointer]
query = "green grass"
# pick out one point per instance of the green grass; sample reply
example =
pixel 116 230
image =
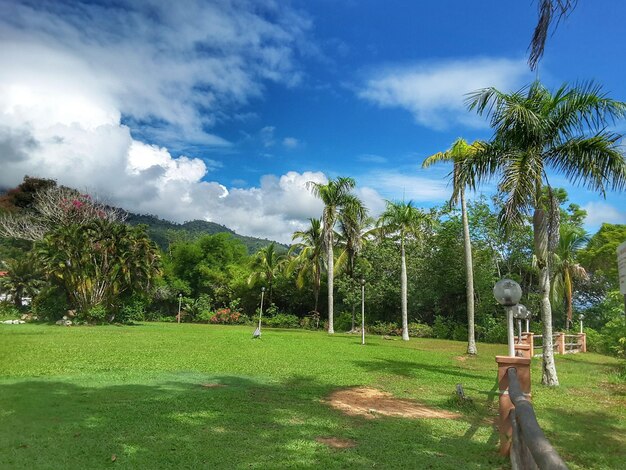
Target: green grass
pixel 73 397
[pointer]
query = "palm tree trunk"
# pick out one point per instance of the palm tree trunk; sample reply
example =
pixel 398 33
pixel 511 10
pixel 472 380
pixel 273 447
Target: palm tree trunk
pixel 331 267
pixel 568 297
pixel 469 279
pixel 540 228
pixel 405 321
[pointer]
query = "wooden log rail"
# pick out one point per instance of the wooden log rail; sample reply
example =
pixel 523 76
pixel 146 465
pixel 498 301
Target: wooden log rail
pixel 530 449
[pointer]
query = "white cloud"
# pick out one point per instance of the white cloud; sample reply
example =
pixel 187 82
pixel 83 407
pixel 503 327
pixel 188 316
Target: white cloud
pixel 601 212
pixel 434 93
pixel 371 158
pixel 397 185
pixel 74 81
pixel 290 143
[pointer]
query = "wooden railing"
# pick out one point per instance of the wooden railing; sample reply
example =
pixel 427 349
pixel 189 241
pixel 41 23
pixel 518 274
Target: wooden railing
pixel 530 449
pixel 563 343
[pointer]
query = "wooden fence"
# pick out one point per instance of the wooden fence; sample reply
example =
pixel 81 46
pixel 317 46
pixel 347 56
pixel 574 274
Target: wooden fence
pixel 563 343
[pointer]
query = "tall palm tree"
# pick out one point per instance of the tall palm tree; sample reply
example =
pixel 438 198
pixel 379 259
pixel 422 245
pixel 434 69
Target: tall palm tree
pixel 548 10
pixel 265 266
pixel 336 195
pixel 459 152
pixel 565 267
pixel 536 130
pixel 354 225
pixel 308 260
pixel 403 220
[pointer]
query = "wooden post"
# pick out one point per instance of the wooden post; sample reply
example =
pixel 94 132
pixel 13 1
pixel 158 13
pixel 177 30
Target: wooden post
pixel 522 364
pixel 529 339
pixel 523 350
pixel 582 342
pixel 560 343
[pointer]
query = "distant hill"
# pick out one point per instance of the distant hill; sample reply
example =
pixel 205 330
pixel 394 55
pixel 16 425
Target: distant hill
pixel 164 232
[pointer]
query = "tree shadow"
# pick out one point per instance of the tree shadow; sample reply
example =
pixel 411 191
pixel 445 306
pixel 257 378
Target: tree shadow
pixel 214 422
pixel 412 369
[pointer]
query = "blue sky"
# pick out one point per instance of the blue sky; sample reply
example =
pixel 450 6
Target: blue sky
pixel 224 110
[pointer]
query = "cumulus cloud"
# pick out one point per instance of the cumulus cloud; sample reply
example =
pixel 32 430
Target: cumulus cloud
pixel 290 143
pixel 601 212
pixel 434 92
pixel 408 185
pixel 90 94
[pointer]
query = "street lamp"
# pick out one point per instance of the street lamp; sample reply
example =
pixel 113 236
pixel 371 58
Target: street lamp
pixel 520 312
pixel 581 317
pixel 362 310
pixel 180 302
pixel 257 332
pixel 508 293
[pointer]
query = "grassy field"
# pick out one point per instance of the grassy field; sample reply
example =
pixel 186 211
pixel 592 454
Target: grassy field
pixel 143 397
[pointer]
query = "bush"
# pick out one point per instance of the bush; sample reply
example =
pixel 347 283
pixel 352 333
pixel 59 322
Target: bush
pixel 343 322
pixel 443 327
pixel 50 304
pixel 420 330
pixel 96 314
pixel 594 340
pixel 459 332
pixel 382 328
pixel 281 320
pixel 614 337
pixel 133 310
pixel 227 316
pixel 8 311
pixel 310 322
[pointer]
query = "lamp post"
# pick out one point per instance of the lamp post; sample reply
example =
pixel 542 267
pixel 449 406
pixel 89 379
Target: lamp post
pixel 180 302
pixel 257 332
pixel 508 294
pixel 362 310
pixel 520 312
pixel 581 317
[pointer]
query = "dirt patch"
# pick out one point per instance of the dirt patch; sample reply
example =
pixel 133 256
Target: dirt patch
pixel 461 358
pixel 213 385
pixel 336 442
pixel 370 402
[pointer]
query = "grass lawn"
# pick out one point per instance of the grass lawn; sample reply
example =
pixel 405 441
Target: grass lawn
pixel 143 397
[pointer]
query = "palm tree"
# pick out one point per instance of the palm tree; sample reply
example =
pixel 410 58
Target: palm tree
pixel 354 227
pixel 265 266
pixel 565 267
pixel 548 9
pixel 460 151
pixel 309 261
pixel 23 279
pixel 535 130
pixel 403 220
pixel 336 196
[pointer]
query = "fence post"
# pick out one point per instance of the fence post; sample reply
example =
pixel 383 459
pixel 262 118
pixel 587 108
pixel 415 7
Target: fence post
pixel 582 342
pixel 522 364
pixel 560 343
pixel 529 338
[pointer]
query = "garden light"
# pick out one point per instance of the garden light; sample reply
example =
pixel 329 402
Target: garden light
pixel 508 293
pixel 362 311
pixel 580 318
pixel 180 302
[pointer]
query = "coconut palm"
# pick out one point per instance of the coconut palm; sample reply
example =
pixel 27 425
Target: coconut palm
pixel 403 220
pixel 308 261
pixel 565 267
pixel 336 196
pixel 460 151
pixel 354 228
pixel 536 130
pixel 548 10
pixel 266 265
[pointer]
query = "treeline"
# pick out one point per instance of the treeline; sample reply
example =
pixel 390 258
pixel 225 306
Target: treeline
pixel 100 269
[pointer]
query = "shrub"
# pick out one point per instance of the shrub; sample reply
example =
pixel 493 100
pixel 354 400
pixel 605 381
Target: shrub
pixel 281 320
pixel 133 310
pixel 227 316
pixel 459 332
pixel 420 330
pixel 443 327
pixel 96 314
pixel 594 340
pixel 343 322
pixel 497 333
pixel 9 311
pixel 382 328
pixel 614 337
pixel 50 304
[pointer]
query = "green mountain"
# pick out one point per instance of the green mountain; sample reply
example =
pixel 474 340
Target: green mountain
pixel 164 232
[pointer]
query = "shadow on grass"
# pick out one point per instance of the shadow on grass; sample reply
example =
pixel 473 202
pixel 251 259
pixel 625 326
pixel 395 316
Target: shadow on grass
pixel 214 422
pixel 411 369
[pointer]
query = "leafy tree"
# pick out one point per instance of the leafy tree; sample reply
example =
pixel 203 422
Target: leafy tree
pixel 534 130
pixel 599 255
pixel 403 220
pixel 459 152
pixel 336 196
pixel 100 262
